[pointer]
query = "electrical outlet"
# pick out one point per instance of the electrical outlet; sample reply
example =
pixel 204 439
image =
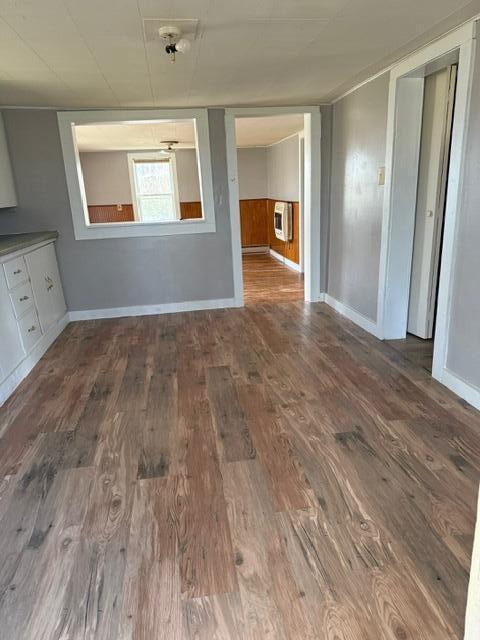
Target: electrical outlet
pixel 119 207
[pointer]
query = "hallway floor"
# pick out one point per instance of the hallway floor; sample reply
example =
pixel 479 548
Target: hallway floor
pixel 271 472
pixel 268 280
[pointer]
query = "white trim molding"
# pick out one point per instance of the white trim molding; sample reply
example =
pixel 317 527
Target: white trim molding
pixel 285 261
pixel 401 174
pixel 76 189
pixel 358 318
pixel 472 617
pixel 461 387
pixel 8 386
pixel 152 309
pixel 311 197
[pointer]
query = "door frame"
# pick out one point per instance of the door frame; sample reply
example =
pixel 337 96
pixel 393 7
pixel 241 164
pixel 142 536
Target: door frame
pixel 311 194
pixel 405 105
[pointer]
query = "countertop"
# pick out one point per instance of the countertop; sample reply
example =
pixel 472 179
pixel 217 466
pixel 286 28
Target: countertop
pixel 16 241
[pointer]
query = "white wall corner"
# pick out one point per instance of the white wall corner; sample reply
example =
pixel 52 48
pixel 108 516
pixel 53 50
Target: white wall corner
pixel 359 319
pixel 285 261
pixel 458 385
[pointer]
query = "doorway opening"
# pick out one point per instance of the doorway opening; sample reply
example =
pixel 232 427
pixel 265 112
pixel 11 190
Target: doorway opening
pixel 294 215
pixel 269 152
pixel 405 252
pixel 433 168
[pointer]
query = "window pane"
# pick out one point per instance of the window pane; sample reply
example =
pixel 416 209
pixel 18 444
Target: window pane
pixel 153 177
pixel 157 208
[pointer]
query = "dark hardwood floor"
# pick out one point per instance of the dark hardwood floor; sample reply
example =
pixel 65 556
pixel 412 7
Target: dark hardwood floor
pixel 270 472
pixel 416 349
pixel 266 279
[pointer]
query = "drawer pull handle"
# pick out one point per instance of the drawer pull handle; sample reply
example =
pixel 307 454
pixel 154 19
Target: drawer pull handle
pixel 32 328
pixel 16 272
pixel 24 298
pixel 49 283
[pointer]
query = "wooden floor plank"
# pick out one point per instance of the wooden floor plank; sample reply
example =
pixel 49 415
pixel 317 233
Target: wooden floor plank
pixel 206 555
pixel 214 617
pixel 233 436
pixel 152 604
pixel 272 603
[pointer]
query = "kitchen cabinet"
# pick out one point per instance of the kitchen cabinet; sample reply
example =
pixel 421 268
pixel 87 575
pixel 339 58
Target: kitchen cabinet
pixel 32 310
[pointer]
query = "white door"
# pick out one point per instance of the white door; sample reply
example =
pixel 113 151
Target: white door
pixel 11 349
pixel 46 285
pixel 432 180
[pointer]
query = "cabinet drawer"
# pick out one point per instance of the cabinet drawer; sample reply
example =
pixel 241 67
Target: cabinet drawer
pixel 22 298
pixel 15 272
pixel 29 329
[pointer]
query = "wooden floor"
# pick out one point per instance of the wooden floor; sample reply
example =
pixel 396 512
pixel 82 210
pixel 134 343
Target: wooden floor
pixel 417 350
pixel 268 280
pixel 270 472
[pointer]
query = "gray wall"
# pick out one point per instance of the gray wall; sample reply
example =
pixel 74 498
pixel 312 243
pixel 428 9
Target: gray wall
pixel 105 176
pixel 252 173
pixel 326 169
pixel 107 180
pixel 463 356
pixel 115 272
pixel 358 151
pixel 283 170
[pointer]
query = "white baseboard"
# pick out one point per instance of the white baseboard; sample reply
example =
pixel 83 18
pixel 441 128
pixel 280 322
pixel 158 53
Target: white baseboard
pixel 286 261
pixel 259 249
pixel 8 386
pixel 153 309
pixel 462 388
pixel 362 321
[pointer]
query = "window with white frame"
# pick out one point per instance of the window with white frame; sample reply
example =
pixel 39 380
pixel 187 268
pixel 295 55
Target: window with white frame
pixel 154 185
pixel 138 173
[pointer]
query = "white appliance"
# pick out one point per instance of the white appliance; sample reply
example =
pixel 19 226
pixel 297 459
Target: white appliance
pixel 282 220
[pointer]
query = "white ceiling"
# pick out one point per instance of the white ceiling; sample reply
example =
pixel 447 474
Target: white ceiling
pixel 94 53
pixel 144 135
pixel 250 132
pixel 261 132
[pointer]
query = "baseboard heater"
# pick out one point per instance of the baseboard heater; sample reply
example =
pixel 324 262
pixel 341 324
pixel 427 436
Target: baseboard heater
pixel 263 248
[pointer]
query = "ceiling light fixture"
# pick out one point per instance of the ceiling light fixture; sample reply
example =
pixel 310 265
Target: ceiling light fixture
pixel 174 43
pixel 169 148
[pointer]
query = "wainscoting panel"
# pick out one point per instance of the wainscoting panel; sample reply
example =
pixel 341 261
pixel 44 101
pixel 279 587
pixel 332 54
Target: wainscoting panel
pixel 190 210
pixel 254 222
pixel 109 213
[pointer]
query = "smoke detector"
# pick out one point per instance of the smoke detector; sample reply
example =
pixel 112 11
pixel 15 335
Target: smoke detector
pixel 174 43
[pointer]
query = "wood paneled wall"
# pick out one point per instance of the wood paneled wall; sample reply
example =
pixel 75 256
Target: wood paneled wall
pixel 190 210
pixel 256 220
pixel 109 212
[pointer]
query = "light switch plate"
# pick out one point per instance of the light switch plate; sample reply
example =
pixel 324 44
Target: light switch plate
pixel 381 176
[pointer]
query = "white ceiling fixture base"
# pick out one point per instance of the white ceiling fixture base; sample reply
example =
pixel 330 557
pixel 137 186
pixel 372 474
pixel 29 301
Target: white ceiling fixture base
pixel 153 26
